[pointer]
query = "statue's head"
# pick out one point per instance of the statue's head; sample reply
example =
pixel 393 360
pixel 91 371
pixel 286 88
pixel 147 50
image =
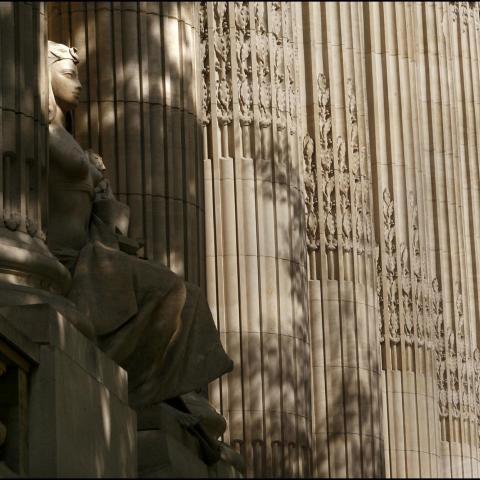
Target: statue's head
pixel 64 84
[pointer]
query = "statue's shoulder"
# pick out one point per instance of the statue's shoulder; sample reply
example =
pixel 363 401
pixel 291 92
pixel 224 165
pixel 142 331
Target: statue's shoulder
pixel 65 152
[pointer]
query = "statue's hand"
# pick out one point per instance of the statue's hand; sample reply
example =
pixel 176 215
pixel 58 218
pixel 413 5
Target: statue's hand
pixel 96 160
pixel 113 213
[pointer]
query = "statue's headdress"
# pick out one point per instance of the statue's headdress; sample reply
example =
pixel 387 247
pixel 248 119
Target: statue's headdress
pixel 59 51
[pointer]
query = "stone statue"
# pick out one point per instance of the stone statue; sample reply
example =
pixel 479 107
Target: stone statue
pixel 146 318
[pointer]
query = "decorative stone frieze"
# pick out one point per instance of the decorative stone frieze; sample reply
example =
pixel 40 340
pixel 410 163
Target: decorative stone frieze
pixel 311 195
pixel 392 306
pixel 244 69
pixel 262 49
pixel 327 164
pixel 221 42
pixel 204 63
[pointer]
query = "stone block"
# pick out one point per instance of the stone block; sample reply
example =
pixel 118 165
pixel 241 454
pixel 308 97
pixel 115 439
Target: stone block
pixel 79 421
pixel 162 455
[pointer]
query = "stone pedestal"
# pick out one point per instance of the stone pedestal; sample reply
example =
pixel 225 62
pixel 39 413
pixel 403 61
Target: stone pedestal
pixel 78 422
pixel 167 447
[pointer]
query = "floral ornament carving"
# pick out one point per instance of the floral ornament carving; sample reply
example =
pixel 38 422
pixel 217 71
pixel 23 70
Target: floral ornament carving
pixel 204 62
pixel 223 67
pixel 464 9
pixel 461 347
pixel 453 374
pixel 391 267
pixel 416 258
pixel 263 65
pixel 466 381
pixel 352 116
pixel 357 159
pixel 290 85
pixel 454 11
pixel 325 156
pixel 427 309
pixel 279 65
pixel 368 237
pixel 406 295
pixel 440 351
pixel 419 310
pixel 437 312
pixel 418 289
pixel 244 69
pixel 442 388
pixel 379 296
pixel 476 388
pixel 290 54
pixel 311 194
pixel 276 19
pixel 475 14
pixel 344 190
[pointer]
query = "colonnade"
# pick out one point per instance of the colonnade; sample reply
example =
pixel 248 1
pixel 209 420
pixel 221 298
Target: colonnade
pixel 314 167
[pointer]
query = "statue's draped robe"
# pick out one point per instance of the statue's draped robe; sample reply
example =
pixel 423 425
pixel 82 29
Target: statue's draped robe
pixel 146 318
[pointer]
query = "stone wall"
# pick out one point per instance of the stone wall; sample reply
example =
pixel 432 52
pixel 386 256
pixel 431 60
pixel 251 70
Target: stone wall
pixel 314 166
pixel 398 82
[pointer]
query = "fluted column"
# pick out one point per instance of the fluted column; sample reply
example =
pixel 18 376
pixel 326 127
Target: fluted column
pixel 402 226
pixel 24 258
pixel 345 349
pixel 339 147
pixel 138 110
pixel 255 249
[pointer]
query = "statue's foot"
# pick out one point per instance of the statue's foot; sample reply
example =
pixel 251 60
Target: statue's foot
pixel 212 422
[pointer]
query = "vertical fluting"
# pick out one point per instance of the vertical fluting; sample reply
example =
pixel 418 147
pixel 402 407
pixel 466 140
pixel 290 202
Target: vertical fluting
pixel 345 362
pixel 138 109
pixel 24 258
pixel 403 287
pixel 255 259
pixel 425 175
pixel 342 230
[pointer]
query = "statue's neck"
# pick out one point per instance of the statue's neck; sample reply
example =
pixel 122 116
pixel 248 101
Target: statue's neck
pixel 59 119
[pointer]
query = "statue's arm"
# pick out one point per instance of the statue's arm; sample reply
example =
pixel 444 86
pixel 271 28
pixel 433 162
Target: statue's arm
pixel 107 210
pixel 106 207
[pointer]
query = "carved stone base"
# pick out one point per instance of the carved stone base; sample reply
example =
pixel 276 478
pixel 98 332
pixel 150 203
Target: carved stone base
pixel 79 422
pixel 167 447
pixel 12 295
pixel 26 260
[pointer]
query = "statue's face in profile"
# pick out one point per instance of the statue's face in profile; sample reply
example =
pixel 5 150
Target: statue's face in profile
pixel 65 84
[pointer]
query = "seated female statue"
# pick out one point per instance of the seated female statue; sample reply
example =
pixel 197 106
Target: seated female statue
pixel 146 318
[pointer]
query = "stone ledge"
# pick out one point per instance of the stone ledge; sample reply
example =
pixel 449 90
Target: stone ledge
pixel 42 324
pixel 19 341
